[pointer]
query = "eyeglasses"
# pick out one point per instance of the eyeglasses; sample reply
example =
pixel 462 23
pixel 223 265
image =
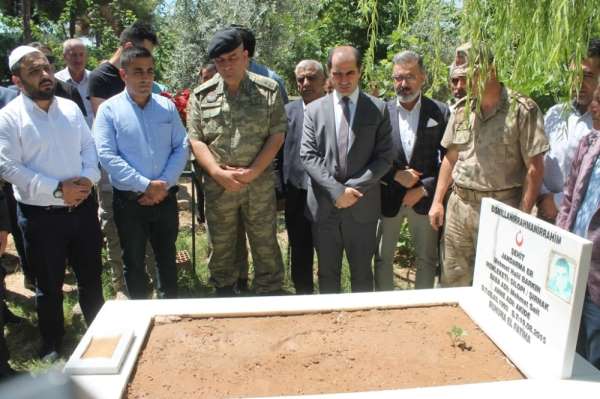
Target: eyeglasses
pixel 408 78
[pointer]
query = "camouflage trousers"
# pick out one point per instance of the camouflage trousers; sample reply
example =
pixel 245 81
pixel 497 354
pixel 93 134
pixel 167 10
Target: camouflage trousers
pixel 460 236
pixel 255 207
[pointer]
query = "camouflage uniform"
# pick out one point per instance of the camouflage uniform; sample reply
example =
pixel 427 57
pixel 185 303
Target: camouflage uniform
pixel 492 152
pixel 235 130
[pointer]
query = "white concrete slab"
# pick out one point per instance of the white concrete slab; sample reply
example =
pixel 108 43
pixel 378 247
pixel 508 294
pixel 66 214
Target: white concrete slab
pixel 137 315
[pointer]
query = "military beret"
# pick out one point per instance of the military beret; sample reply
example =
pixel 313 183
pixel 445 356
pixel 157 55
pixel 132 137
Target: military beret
pixel 224 41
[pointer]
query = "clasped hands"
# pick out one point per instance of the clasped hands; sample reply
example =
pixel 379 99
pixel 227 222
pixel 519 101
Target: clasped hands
pixel 75 190
pixel 234 178
pixel 408 178
pixel 156 192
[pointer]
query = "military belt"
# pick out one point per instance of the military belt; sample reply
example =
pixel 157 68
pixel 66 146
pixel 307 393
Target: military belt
pixel 471 195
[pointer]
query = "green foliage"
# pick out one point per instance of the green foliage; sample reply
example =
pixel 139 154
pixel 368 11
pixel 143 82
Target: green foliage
pixel 533 42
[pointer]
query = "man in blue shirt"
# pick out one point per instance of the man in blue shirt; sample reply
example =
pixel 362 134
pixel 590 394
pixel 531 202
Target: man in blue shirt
pixel 142 145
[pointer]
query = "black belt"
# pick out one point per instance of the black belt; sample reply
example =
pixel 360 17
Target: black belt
pixel 56 209
pixel 134 195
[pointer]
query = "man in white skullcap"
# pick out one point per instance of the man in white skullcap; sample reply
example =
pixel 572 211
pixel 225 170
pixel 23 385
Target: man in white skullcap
pixel 48 154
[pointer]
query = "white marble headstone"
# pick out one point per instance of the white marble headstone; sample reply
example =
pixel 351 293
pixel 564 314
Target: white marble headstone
pixel 529 285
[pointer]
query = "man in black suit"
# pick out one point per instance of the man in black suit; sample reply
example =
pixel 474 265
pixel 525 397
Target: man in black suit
pixel 418 125
pixel 346 148
pixel 310 79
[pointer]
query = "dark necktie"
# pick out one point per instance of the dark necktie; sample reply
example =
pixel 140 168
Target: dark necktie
pixel 343 138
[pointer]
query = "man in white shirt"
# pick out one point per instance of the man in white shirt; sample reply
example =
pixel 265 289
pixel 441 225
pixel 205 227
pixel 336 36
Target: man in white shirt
pixel 418 124
pixel 75 56
pixel 48 154
pixel 565 125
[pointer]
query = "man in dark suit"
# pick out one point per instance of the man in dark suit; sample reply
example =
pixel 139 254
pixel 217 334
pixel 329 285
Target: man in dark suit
pixel 418 124
pixel 346 148
pixel 310 79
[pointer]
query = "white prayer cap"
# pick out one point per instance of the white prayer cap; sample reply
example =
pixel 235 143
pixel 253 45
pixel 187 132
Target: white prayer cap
pixel 18 53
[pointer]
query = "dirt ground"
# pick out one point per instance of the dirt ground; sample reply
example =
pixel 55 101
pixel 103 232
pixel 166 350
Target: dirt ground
pixel 316 353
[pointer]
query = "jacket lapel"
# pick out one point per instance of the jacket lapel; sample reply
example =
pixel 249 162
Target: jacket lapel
pixel 393 109
pixel 424 114
pixel 330 125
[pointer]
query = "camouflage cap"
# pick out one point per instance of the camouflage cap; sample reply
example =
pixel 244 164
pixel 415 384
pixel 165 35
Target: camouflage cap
pixel 458 71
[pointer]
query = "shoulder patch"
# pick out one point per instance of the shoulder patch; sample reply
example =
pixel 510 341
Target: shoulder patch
pixel 263 81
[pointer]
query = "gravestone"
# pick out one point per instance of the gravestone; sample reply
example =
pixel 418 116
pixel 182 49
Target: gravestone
pixel 528 289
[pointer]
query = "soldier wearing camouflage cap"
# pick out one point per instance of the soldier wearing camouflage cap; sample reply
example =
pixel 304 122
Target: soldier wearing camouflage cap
pixel 494 150
pixel 237 124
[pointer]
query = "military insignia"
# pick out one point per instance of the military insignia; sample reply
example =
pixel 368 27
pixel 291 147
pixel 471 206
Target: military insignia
pixel 211 97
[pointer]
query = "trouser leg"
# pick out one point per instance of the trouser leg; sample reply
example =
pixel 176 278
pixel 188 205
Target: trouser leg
pixel 113 244
pixel 329 246
pixel 259 209
pixel 133 228
pixel 360 243
pixel 85 258
pixel 425 241
pixel 388 231
pixel 164 227
pixel 301 241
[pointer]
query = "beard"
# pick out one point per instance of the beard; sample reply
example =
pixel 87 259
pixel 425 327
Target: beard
pixel 35 93
pixel 407 98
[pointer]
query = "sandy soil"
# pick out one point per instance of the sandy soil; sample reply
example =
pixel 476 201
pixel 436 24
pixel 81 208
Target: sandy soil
pixel 317 353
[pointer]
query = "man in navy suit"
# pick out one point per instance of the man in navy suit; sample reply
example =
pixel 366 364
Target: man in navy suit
pixel 346 149
pixel 418 124
pixel 310 79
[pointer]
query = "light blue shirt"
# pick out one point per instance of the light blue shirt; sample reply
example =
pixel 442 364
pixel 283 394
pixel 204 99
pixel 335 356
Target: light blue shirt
pixel 263 70
pixel 590 203
pixel 136 145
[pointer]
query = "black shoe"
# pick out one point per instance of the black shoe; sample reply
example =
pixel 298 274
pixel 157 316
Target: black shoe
pixel 227 291
pixel 49 352
pixel 273 293
pixel 242 285
pixel 11 318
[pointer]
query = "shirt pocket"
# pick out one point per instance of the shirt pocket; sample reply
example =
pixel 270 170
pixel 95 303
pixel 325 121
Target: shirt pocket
pixel 164 134
pixel 212 120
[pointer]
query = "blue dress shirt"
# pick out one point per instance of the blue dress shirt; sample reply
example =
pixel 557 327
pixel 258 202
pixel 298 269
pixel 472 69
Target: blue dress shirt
pixel 136 145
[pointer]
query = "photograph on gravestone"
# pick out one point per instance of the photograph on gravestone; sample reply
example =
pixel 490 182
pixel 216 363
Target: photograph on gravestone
pixel 529 285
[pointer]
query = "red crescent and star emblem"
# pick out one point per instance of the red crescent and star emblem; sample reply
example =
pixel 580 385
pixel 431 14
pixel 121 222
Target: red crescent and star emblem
pixel 519 238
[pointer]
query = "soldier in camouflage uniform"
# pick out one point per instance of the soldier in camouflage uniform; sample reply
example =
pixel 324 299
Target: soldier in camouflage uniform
pixel 237 124
pixel 495 150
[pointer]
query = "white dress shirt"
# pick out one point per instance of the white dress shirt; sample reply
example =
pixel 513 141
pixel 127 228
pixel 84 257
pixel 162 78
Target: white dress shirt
pixel 409 123
pixel 82 88
pixel 38 149
pixel 564 127
pixel 338 112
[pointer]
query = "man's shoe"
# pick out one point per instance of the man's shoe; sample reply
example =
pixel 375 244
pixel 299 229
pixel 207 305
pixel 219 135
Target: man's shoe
pixel 242 285
pixel 227 291
pixel 49 352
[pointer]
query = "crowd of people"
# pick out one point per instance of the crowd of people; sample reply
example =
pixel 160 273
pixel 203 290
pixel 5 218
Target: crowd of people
pixel 94 156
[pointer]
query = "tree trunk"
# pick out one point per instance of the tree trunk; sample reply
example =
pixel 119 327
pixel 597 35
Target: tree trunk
pixel 26 11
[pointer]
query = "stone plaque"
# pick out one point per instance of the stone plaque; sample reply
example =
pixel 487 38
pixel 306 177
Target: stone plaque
pixel 528 289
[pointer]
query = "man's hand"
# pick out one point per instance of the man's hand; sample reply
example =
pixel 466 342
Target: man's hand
pixel 407 177
pixel 243 175
pixel 547 207
pixel 348 198
pixel 84 181
pixel 156 191
pixel 226 177
pixel 73 192
pixel 413 196
pixel 436 215
pixel 145 200
pixel 3 241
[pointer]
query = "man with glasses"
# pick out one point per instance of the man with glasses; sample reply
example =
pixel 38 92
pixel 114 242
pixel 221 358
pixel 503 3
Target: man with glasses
pixel 418 124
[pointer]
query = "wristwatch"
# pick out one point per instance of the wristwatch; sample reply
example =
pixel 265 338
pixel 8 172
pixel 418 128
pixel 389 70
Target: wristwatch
pixel 58 193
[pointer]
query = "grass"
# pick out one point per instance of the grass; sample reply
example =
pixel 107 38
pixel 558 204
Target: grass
pixel 24 340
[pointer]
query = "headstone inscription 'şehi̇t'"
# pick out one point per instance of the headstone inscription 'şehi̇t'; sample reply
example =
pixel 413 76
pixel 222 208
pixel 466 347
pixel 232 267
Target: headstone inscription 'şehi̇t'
pixel 528 289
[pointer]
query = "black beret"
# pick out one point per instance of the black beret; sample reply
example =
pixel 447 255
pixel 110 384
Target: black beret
pixel 224 41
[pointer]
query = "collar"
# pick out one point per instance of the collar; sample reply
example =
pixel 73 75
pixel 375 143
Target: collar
pixel 131 100
pixel 31 105
pixel 417 106
pixel 67 72
pixel 353 97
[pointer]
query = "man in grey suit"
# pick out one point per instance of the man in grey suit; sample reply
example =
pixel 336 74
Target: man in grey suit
pixel 346 148
pixel 310 79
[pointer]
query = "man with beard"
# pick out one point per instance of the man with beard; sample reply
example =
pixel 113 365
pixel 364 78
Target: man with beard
pixel 48 154
pixel 494 150
pixel 565 125
pixel 418 124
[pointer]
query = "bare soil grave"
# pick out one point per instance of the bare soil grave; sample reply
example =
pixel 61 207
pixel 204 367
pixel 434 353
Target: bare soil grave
pixel 315 354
